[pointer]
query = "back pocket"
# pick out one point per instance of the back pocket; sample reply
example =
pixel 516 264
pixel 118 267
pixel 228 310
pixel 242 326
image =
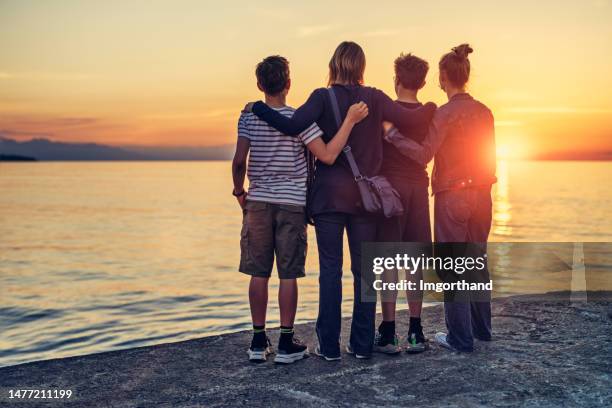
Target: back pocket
pixel 457 206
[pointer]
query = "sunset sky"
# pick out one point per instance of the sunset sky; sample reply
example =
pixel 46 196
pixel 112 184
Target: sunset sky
pixel 178 72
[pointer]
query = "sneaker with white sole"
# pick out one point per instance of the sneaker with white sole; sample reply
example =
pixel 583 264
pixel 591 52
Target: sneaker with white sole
pixel 290 350
pixel 318 353
pixel 442 340
pixel 350 351
pixel 260 349
pixel 416 341
pixel 386 345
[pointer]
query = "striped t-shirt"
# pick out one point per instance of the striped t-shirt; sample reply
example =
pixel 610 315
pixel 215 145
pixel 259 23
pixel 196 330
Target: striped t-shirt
pixel 277 169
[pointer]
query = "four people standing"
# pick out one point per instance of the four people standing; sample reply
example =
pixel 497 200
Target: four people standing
pixel 335 204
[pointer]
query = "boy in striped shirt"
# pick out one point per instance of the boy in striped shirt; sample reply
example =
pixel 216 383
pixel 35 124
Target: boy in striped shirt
pixel 273 209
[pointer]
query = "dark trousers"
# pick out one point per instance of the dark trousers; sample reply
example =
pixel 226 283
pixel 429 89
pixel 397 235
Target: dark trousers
pixel 413 224
pixel 464 216
pixel 329 229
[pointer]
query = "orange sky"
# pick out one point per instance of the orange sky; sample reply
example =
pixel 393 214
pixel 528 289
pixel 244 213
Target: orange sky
pixel 178 73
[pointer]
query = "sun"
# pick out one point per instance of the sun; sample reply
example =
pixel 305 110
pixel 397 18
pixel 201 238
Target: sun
pixel 505 150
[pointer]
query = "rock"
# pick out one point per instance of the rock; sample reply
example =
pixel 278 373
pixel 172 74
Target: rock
pixel 545 353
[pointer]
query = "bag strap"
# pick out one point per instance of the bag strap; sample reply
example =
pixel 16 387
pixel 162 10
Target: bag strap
pixel 352 163
pixel 347 149
pixel 335 109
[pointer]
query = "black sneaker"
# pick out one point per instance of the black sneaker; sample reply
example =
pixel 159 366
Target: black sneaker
pixel 290 350
pixel 260 348
pixel 386 345
pixel 417 343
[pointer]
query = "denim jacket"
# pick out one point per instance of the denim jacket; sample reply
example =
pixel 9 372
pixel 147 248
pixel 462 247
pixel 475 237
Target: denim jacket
pixel 461 137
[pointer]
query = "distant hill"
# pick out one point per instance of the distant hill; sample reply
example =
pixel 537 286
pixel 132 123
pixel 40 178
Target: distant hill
pixel 14 157
pixel 223 152
pixel 45 149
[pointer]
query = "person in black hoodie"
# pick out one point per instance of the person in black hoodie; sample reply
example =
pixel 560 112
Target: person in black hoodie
pixel 410 180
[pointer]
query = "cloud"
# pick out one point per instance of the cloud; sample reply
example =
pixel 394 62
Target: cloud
pixel 274 13
pixel 206 114
pixel 23 133
pixel 311 31
pixel 63 127
pixel 61 122
pixel 384 32
pixel 601 3
pixel 315 30
pixel 557 109
pixel 46 76
pixel 514 95
pixel 508 123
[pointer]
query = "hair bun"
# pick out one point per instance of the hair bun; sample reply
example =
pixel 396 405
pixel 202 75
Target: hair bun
pixel 463 50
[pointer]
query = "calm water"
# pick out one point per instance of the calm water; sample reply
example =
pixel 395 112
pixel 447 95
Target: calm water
pixel 103 256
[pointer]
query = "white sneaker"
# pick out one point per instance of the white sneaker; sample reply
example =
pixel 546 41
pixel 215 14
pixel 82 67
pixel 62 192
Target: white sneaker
pixel 349 350
pixel 441 339
pixel 318 353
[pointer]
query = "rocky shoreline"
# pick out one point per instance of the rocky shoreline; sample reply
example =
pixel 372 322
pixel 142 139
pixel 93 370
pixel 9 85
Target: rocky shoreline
pixel 547 352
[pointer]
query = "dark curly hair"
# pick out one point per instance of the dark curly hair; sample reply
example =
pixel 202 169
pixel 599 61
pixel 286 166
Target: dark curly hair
pixel 273 74
pixel 411 71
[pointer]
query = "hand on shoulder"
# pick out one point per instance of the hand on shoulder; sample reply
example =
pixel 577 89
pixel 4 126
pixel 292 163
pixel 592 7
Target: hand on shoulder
pixel 357 112
pixel 248 108
pixel 430 109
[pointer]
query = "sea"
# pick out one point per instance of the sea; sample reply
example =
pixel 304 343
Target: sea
pixel 100 256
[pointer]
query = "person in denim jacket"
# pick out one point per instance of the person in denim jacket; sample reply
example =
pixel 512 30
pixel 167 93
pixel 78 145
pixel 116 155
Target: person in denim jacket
pixel 461 140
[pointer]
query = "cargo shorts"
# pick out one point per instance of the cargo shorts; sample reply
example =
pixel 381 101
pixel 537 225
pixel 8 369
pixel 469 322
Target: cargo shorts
pixel 273 229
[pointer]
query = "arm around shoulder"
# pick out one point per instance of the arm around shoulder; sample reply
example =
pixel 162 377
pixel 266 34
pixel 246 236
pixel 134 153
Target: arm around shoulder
pixel 403 117
pixel 302 118
pixel 328 153
pixel 421 153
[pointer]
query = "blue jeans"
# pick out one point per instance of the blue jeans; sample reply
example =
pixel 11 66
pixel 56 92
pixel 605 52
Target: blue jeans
pixel 329 229
pixel 464 216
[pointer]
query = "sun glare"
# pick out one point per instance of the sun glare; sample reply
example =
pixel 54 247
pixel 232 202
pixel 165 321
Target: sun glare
pixel 506 151
pixel 503 151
